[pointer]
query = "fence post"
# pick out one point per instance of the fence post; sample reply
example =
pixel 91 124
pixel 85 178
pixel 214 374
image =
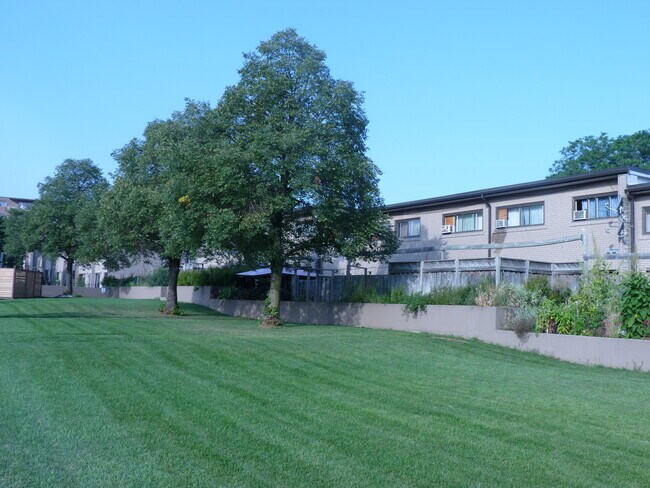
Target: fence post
pixel 527 270
pixel 308 287
pixel 497 270
pixel 456 272
pixel 421 276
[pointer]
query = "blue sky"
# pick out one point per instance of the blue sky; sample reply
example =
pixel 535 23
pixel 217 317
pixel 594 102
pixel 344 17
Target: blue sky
pixel 460 95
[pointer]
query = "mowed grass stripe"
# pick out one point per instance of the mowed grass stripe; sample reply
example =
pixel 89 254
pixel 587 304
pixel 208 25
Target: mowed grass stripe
pixel 108 392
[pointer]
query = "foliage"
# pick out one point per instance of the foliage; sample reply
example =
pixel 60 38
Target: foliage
pixel 596 294
pixel 413 302
pixel 18 238
pixel 635 305
pixel 593 153
pixel 213 276
pixel 158 277
pixel 540 286
pixel 522 321
pixel 555 318
pixel 588 311
pixel 147 211
pixel 114 281
pixel 227 293
pixel 287 172
pixel 489 294
pixel 270 315
pixel 62 222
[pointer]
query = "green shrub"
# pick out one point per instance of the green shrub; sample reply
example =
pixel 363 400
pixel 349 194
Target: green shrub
pixel 591 310
pixel 522 322
pixel 448 295
pixel 635 305
pixel 415 303
pixel 209 277
pixel 596 296
pixel 159 277
pixel 541 286
pixel 227 293
pixel 114 281
pixel 504 295
pixel 555 318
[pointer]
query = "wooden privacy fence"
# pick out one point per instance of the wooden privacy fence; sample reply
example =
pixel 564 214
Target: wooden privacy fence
pixel 426 276
pixel 20 283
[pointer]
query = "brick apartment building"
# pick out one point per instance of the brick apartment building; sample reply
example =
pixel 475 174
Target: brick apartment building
pixel 611 208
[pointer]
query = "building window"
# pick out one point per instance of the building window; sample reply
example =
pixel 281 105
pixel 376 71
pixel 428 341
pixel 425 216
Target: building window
pixel 522 215
pixel 24 206
pixel 3 203
pixel 646 220
pixel 408 228
pixel 464 222
pixel 602 207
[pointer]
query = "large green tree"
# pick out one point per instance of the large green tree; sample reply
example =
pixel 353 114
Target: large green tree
pixel 147 211
pixel 62 221
pixel 287 165
pixel 594 153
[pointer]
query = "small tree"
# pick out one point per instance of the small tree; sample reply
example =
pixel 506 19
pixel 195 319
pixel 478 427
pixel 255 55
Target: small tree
pixel 62 221
pixel 147 212
pixel 289 174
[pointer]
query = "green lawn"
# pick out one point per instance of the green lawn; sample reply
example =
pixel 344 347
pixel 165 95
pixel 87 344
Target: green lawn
pixel 110 393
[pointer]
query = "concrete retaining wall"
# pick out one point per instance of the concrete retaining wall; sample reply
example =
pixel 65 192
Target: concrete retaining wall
pixel 137 292
pixel 483 323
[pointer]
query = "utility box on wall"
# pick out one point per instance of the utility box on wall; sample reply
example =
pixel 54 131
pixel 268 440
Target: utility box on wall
pixel 20 283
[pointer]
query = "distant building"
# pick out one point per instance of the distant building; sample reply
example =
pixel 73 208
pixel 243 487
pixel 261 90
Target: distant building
pixel 10 202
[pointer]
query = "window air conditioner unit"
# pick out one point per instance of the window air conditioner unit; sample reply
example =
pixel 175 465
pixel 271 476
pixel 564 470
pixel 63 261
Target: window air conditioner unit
pixel 579 215
pixel 447 229
pixel 502 224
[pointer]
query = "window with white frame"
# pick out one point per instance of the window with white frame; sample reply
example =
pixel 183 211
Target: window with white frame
pixel 600 207
pixel 408 228
pixel 522 215
pixel 465 222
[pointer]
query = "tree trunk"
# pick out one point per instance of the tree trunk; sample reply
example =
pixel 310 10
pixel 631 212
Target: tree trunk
pixel 271 315
pixel 172 285
pixel 68 269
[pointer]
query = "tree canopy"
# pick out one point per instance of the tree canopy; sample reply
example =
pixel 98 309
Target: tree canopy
pixel 145 213
pixel 594 153
pixel 286 165
pixel 62 222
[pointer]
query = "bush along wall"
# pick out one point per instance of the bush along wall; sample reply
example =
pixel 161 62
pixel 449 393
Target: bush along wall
pixel 635 305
